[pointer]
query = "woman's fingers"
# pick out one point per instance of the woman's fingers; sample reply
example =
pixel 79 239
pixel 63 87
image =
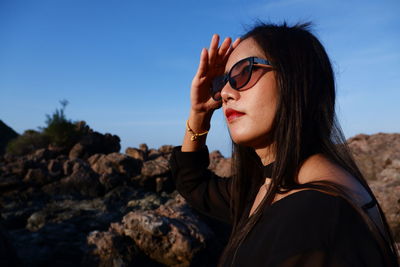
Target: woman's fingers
pixel 224 47
pixel 231 48
pixel 213 50
pixel 213 59
pixel 212 63
pixel 202 69
pixel 236 43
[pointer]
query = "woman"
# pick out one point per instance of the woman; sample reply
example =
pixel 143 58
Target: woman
pixel 296 197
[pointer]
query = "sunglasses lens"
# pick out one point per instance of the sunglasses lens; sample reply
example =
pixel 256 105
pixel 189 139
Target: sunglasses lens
pixel 238 77
pixel 217 84
pixel 240 74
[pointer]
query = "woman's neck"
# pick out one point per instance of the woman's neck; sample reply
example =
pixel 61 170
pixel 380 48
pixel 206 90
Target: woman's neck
pixel 266 154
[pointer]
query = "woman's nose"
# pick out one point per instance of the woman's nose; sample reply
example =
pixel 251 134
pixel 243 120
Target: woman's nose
pixel 228 92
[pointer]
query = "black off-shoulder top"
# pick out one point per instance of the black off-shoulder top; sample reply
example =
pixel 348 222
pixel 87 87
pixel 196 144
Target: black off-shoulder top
pixel 307 228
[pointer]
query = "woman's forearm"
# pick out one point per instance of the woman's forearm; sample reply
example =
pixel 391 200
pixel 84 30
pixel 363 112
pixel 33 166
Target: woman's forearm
pixel 199 122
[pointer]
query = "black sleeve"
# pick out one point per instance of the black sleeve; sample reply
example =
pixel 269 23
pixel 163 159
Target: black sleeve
pixel 202 189
pixel 351 244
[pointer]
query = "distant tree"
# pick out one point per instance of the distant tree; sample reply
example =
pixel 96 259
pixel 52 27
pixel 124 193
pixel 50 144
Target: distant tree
pixel 61 131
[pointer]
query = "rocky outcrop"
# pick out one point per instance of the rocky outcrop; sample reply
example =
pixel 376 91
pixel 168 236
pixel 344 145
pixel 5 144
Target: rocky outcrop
pixel 94 206
pixel 104 208
pixel 374 153
pixel 92 143
pixel 387 191
pixel 6 135
pixel 378 157
pixel 172 235
pixel 220 165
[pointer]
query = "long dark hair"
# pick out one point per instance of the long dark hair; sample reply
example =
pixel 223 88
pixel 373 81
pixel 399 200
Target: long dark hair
pixel 305 124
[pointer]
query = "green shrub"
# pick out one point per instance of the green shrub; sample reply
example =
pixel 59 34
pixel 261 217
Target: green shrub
pixel 26 143
pixel 59 131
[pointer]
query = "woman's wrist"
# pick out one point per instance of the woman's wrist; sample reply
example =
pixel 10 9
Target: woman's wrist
pixel 199 122
pixel 197 127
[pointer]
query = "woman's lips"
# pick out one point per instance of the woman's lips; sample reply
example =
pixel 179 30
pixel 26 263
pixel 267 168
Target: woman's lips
pixel 232 114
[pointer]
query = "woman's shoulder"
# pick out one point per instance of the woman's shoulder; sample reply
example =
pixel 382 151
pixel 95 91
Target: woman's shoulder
pixel 304 202
pixel 311 212
pixel 307 211
pixel 313 221
pixel 319 168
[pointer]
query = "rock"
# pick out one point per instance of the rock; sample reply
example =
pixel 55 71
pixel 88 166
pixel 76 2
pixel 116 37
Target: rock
pixel 6 135
pixel 118 198
pixel 171 235
pixel 82 127
pixel 374 152
pixel 55 168
pixel 114 169
pixel 36 221
pixel 115 163
pixel 219 165
pixel 156 167
pixel 77 151
pixel 110 181
pixel 42 154
pixel 166 149
pixel 59 232
pixel 148 202
pixel 19 166
pixel 110 249
pixel 83 181
pixel 10 183
pixel 144 148
pixel 70 165
pixel 153 154
pixel 94 143
pixel 136 153
pixel 378 157
pixel 37 176
pixel 387 191
pixel 164 184
pixel 155 176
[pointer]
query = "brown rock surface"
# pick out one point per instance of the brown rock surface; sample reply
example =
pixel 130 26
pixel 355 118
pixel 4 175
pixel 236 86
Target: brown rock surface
pixel 171 235
pixel 387 192
pixel 219 164
pixel 156 167
pixel 373 153
pixel 136 153
pixel 378 157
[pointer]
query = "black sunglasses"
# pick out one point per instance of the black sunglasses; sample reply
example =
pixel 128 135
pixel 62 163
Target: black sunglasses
pixel 238 76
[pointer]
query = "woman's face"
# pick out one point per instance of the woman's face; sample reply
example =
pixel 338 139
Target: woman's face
pixel 249 112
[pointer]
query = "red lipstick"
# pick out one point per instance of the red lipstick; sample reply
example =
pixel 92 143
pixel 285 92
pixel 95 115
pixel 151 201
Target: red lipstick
pixel 232 114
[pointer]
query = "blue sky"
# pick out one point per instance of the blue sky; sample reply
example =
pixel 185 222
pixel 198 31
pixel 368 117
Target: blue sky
pixel 126 66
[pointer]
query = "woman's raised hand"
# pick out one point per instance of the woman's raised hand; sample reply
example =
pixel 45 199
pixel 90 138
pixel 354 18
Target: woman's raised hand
pixel 212 63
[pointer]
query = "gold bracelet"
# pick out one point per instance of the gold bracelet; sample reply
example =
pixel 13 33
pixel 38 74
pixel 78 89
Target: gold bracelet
pixel 194 135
